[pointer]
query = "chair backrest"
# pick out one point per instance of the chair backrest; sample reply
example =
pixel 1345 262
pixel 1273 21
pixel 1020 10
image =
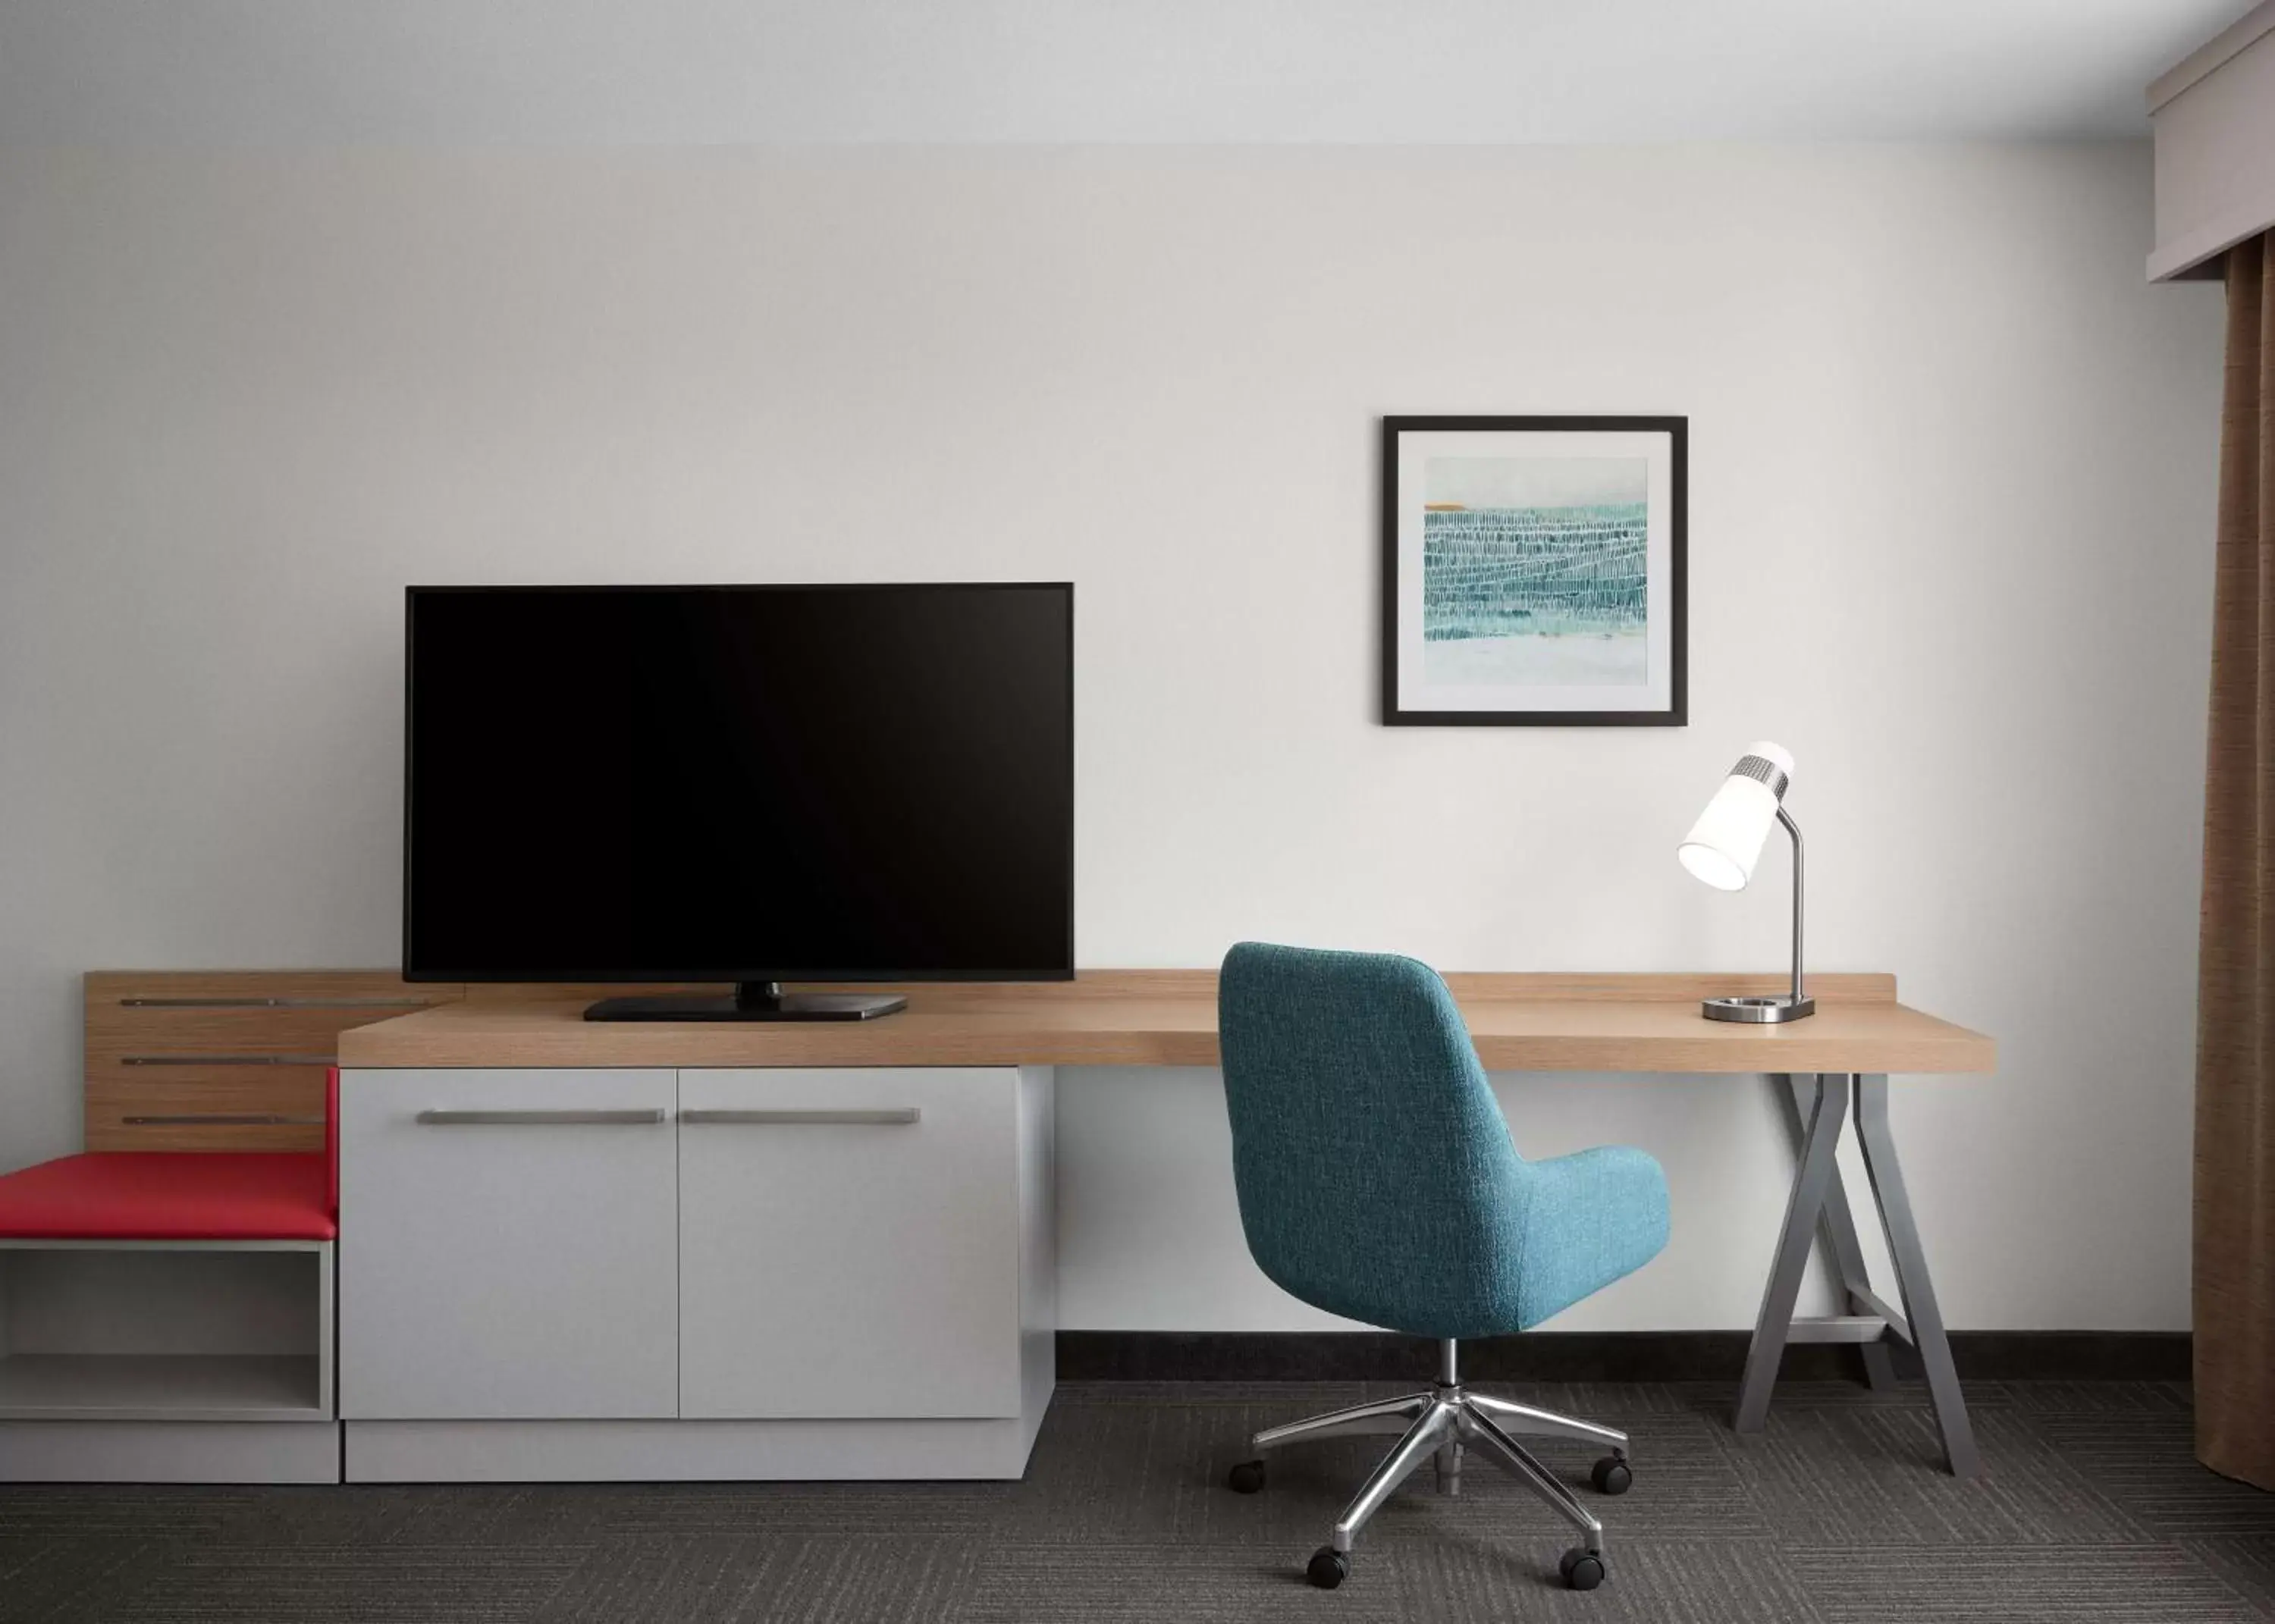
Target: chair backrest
pixel 1376 1175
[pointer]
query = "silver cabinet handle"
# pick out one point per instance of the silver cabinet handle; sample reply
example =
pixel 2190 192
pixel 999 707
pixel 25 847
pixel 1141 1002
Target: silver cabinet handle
pixel 225 1060
pixel 224 1119
pixel 275 1003
pixel 900 1117
pixel 541 1119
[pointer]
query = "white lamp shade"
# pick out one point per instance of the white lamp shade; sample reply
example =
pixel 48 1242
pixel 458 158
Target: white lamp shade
pixel 1725 844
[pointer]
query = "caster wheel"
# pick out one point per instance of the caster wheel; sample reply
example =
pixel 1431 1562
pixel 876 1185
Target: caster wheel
pixel 1246 1477
pixel 1611 1476
pixel 1583 1570
pixel 1328 1567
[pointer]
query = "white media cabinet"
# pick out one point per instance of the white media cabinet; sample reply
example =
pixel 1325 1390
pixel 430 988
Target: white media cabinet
pixel 718 1272
pixel 722 1272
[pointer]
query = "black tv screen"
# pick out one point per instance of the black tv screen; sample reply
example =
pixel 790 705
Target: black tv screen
pixel 745 783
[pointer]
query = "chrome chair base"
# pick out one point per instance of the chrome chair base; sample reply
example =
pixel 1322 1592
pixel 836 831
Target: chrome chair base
pixel 1441 1425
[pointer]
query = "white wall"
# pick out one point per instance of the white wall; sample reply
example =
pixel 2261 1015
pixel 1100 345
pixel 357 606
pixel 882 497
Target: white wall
pixel 1952 477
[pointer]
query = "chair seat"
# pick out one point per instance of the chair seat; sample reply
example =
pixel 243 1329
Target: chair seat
pixel 1597 1216
pixel 172 1196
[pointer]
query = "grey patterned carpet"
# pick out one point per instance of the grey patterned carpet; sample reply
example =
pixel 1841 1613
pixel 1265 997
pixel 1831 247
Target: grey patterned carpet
pixel 2089 1508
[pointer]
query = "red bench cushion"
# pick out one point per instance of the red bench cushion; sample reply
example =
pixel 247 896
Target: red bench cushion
pixel 172 1196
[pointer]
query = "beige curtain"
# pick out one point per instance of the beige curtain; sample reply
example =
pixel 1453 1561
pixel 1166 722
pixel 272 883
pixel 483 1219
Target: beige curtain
pixel 2235 1019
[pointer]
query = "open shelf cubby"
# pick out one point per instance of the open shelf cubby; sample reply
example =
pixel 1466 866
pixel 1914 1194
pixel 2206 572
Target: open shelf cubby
pixel 165 1331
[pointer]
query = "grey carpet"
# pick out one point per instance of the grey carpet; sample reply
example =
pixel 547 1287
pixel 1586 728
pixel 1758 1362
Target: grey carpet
pixel 2090 1508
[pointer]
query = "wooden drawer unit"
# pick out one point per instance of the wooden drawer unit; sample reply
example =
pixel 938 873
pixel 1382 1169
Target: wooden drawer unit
pixel 224 1060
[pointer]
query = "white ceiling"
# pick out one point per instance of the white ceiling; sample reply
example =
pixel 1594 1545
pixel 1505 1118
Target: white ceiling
pixel 1239 70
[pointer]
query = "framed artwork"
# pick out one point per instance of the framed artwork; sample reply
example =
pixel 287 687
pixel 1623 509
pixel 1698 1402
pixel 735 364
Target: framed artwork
pixel 1533 571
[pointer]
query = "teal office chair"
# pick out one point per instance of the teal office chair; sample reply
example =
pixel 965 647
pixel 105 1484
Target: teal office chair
pixel 1378 1180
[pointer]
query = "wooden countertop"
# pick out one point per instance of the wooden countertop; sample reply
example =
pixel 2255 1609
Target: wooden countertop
pixel 1168 1017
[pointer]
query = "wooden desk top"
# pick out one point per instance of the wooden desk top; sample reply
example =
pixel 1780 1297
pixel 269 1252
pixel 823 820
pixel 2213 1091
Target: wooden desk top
pixel 1168 1017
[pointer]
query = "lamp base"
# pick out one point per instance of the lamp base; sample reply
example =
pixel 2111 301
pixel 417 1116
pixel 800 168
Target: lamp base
pixel 1759 1011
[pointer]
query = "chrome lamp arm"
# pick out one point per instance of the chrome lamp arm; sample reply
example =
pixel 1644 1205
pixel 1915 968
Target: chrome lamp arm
pixel 1785 1006
pixel 1793 829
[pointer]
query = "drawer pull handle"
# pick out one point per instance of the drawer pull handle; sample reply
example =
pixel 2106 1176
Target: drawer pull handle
pixel 900 1117
pixel 224 1060
pixel 222 1119
pixel 276 1003
pixel 541 1119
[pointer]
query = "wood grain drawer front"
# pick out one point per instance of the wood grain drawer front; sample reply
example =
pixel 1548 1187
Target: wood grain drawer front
pixel 507 1245
pixel 218 1061
pixel 170 1104
pixel 848 1242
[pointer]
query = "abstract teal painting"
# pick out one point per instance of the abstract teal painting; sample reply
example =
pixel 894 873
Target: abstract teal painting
pixel 1533 570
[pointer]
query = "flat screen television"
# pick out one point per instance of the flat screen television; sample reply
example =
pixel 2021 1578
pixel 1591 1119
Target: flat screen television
pixel 753 784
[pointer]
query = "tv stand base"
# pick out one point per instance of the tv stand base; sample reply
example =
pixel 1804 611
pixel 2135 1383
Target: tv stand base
pixel 752 1001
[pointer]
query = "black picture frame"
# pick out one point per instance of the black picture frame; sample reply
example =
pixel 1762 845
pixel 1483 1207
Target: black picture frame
pixel 1675 713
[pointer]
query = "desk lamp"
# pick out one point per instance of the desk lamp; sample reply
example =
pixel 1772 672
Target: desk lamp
pixel 1721 849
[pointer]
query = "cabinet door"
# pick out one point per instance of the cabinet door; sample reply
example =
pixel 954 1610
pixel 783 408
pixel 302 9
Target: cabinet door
pixel 507 1245
pixel 848 1242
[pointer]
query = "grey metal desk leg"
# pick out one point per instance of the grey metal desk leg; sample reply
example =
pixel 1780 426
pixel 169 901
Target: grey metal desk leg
pixel 1838 1229
pixel 1922 1315
pixel 1811 1180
